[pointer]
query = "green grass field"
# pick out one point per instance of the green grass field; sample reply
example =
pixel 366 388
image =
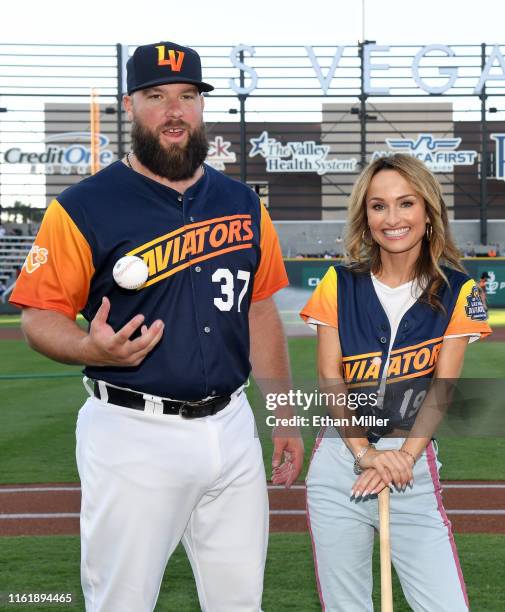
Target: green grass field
pixel 289 579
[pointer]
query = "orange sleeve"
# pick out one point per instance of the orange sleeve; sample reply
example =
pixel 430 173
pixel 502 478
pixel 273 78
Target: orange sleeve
pixel 58 269
pixel 469 315
pixel 323 304
pixel 271 273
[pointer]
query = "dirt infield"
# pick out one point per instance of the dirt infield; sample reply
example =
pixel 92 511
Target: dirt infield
pixel 11 333
pixel 53 509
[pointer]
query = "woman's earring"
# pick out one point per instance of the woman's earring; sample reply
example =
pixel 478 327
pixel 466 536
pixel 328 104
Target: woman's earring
pixel 429 231
pixel 363 238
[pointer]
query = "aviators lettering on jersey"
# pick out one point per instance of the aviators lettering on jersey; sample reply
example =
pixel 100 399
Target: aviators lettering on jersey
pixel 408 362
pixel 194 243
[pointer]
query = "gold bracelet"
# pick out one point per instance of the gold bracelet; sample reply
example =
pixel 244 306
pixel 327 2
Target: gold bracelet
pixel 402 450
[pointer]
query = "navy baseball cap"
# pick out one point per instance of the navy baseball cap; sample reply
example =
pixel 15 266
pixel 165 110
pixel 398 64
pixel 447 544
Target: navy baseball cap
pixel 162 63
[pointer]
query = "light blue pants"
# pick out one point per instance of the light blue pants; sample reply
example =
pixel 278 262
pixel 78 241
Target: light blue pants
pixel 423 551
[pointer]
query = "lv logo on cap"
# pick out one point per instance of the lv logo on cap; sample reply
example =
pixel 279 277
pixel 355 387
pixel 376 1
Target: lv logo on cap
pixel 175 58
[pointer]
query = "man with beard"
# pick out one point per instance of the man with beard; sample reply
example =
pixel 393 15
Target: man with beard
pixel 166 445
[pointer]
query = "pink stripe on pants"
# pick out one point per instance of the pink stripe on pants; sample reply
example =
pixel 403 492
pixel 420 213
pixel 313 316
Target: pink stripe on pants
pixel 430 454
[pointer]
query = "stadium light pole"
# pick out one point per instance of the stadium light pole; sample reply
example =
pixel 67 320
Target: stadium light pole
pixel 2 110
pixel 120 59
pixel 361 112
pixel 483 156
pixel 363 7
pixel 242 98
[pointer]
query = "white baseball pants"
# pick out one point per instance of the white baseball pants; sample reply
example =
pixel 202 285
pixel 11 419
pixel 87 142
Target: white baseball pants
pixel 423 551
pixel 148 482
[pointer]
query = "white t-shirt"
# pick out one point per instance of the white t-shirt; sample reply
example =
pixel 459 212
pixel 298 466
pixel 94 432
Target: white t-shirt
pixel 396 301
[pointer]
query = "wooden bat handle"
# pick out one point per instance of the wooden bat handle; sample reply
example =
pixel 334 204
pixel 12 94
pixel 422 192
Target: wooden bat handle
pixel 385 548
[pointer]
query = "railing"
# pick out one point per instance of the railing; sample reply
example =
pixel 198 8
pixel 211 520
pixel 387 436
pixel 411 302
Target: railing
pixel 296 122
pixel 13 252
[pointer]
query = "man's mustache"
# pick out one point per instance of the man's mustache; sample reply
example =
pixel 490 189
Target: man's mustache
pixel 174 124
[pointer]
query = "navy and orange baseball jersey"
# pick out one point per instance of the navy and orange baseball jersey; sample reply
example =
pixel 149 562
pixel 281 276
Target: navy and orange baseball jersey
pixel 347 301
pixel 210 253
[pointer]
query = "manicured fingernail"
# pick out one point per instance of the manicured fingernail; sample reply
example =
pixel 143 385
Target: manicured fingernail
pixel 372 492
pixel 352 492
pixel 358 494
pixel 411 483
pixel 365 493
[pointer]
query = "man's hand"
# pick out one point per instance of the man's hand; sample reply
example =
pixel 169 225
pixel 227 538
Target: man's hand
pixel 291 450
pixel 103 346
pixel 269 358
pixel 60 338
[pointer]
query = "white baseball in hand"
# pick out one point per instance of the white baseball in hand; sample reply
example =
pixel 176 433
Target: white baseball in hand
pixel 130 272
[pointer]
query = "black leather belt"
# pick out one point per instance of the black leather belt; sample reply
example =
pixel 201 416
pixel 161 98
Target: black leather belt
pixel 141 401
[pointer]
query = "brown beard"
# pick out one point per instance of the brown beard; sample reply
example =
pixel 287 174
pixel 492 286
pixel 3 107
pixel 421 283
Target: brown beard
pixel 175 162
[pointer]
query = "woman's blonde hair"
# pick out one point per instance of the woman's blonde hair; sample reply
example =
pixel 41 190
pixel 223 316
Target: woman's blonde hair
pixel 437 248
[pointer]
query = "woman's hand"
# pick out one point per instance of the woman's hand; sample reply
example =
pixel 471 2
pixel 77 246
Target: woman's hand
pixel 393 466
pixel 368 483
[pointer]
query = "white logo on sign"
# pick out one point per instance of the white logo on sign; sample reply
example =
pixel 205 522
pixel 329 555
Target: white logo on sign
pixel 67 153
pixel 492 285
pixel 298 156
pixel 439 154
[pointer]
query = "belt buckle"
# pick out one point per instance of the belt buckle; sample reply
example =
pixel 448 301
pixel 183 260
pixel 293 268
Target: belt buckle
pixel 153 404
pixel 194 405
pixel 182 414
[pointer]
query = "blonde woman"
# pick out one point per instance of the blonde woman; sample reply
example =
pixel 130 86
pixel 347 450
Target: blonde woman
pixel 393 324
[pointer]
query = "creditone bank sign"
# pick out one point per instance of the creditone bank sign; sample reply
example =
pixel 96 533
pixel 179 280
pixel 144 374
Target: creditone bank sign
pixel 67 153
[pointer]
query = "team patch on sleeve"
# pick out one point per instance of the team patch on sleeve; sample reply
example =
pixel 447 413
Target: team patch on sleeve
pixel 469 316
pixel 36 257
pixel 474 307
pixel 59 267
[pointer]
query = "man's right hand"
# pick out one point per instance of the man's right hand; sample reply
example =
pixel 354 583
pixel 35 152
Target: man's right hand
pixel 59 337
pixel 102 346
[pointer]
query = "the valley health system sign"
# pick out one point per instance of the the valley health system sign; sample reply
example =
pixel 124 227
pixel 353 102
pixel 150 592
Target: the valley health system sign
pixel 297 156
